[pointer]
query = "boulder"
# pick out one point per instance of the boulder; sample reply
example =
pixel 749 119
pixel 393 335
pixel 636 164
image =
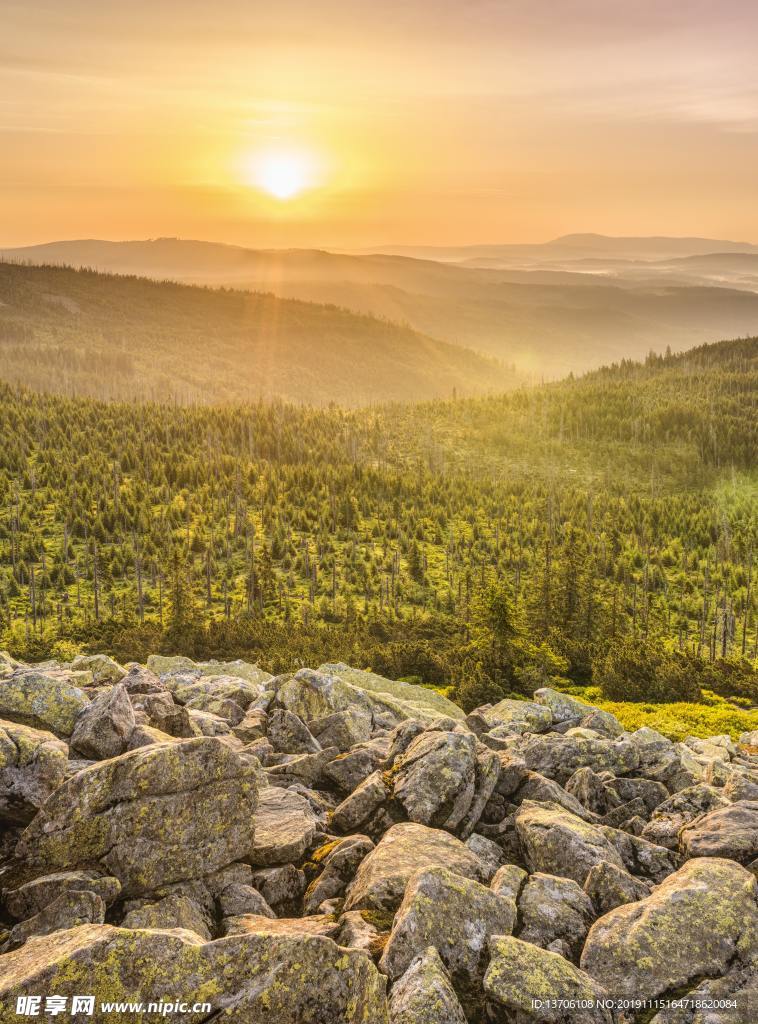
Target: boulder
pixel 406 848
pixel 32 897
pixel 651 793
pixel 263 750
pixel 455 915
pixel 504 834
pixel 741 787
pixel 8 665
pixel 497 739
pixel 322 803
pixel 32 767
pixel 105 671
pixel 338 862
pixel 285 826
pixel 315 924
pixel 152 816
pixel 343 729
pixel 512 774
pixel 699 922
pixel 523 980
pixel 289 733
pixel 730 831
pixel 312 695
pixel 589 789
pixel 162 713
pixel 222 707
pixel 424 994
pixel 259 977
pixel 146 735
pixel 434 780
pixel 602 722
pixel 508 881
pixel 301 769
pixel 641 857
pixel 621 816
pixel 559 843
pixel 537 788
pixel 233 877
pixel 349 770
pixel 238 872
pixel 139 680
pixel 169 665
pixel 662 761
pixel 359 809
pixel 174 911
pixel 558 756
pixel 211 693
pixel 403 700
pixel 44 700
pixel 238 899
pixel 67 910
pixel 730 999
pixel 715 748
pixel 103 728
pixel 610 886
pixel 401 738
pixel 488 852
pixel 252 727
pixel 357 932
pixel 486 775
pixel 205 723
pixel 562 706
pixel 554 909
pixel 236 669
pixel 281 886
pixel 519 716
pixel 678 810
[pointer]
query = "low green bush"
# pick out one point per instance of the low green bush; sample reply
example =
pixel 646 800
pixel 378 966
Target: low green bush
pixel 636 671
pixel 679 720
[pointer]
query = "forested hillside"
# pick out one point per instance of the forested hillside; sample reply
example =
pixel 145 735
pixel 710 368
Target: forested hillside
pixel 567 306
pixel 83 333
pixel 505 540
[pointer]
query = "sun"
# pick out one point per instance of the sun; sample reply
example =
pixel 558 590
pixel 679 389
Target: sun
pixel 283 174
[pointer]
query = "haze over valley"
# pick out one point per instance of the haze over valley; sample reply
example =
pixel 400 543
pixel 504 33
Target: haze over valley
pixel 546 310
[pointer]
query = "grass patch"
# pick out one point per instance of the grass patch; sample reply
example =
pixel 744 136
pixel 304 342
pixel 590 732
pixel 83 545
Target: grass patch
pixel 714 717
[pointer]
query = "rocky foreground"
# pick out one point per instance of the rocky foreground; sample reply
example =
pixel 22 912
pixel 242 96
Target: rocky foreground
pixel 335 847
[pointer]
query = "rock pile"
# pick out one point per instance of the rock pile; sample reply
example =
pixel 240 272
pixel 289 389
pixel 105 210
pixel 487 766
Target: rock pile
pixel 331 847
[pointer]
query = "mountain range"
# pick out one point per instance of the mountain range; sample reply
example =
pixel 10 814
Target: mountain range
pixel 565 306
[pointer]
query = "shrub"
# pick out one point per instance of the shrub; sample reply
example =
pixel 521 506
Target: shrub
pixel 680 720
pixel 729 678
pixel 475 688
pixel 636 671
pixel 64 650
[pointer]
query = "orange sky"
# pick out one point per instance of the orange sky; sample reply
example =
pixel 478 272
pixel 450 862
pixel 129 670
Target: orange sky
pixel 424 121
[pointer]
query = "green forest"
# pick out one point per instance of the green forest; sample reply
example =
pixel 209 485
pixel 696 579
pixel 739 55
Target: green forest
pixel 600 531
pixel 78 332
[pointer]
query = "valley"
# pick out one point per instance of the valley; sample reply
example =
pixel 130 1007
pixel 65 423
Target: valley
pixel 546 310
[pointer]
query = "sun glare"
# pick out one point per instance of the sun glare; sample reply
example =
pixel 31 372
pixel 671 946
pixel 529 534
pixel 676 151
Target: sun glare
pixel 282 174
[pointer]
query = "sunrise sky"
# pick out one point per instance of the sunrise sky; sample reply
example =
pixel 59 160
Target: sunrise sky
pixel 349 123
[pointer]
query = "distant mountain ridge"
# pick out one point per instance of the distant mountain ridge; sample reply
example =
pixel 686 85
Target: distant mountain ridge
pixel 564 306
pixel 575 246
